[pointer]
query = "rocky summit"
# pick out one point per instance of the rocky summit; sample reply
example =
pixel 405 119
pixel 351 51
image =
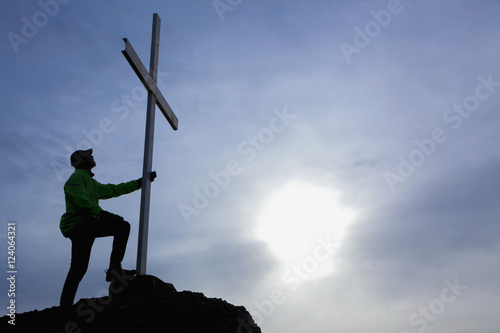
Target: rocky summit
pixel 140 304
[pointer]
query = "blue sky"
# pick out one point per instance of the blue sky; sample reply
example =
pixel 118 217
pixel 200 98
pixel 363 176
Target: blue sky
pixel 335 168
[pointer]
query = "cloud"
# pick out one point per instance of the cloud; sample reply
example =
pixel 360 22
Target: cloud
pixel 354 122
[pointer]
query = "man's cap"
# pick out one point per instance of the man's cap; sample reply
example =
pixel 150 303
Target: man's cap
pixel 76 157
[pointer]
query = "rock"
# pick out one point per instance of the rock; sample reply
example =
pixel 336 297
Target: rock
pixel 142 304
pixel 140 286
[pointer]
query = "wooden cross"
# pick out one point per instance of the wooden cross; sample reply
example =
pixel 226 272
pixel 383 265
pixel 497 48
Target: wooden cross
pixel 155 97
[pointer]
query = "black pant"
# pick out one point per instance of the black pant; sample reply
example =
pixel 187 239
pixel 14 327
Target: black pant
pixel 82 239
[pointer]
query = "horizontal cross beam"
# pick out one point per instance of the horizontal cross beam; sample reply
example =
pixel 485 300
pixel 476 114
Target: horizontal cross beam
pixel 149 83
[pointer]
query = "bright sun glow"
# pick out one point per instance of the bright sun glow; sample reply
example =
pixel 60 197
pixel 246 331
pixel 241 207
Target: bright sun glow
pixel 295 217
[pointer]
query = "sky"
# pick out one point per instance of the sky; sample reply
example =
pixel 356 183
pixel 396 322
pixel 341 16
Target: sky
pixel 335 168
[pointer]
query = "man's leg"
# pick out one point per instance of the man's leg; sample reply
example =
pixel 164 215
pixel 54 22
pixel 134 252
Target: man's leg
pixel 81 247
pixel 113 225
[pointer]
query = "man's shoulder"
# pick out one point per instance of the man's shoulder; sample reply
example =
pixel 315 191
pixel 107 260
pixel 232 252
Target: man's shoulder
pixel 78 176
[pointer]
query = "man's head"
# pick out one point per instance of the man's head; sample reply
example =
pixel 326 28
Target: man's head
pixel 82 159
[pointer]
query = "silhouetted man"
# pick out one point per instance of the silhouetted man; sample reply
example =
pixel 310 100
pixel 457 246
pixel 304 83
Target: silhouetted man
pixel 84 221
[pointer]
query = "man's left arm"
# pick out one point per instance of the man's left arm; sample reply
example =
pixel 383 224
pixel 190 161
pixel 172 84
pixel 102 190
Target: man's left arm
pixel 107 191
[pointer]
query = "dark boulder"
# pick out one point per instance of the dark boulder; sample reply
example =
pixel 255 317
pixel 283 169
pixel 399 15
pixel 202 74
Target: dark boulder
pixel 142 304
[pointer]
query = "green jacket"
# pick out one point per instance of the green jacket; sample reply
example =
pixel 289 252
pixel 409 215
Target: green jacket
pixel 82 194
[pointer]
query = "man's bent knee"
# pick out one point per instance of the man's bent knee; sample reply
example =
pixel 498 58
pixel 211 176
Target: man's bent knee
pixel 126 226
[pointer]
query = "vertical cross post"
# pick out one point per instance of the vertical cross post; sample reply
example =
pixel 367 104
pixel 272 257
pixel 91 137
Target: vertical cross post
pixel 155 97
pixel 142 247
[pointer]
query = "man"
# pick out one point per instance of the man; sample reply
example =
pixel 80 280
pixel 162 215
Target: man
pixel 84 221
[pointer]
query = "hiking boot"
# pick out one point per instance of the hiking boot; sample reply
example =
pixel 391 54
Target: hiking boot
pixel 112 273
